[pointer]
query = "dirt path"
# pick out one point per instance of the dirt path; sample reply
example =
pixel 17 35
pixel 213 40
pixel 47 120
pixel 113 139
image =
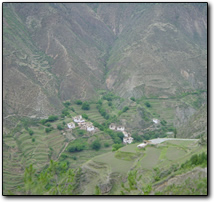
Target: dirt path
pixel 160 140
pixel 66 144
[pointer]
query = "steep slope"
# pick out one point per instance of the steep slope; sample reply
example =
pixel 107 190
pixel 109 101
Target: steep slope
pixel 160 52
pixel 55 52
pixel 51 53
pixel 196 126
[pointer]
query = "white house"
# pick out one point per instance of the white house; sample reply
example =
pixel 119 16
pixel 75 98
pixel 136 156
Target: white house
pixel 71 125
pixel 125 134
pixel 78 119
pixel 90 127
pixel 128 140
pixel 120 128
pixel 142 145
pixel 112 126
pixel 156 121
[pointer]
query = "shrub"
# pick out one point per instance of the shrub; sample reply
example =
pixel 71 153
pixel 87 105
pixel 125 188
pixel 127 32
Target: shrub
pixel 43 121
pixel 59 127
pixel 72 109
pixel 48 124
pixel 133 99
pixel 65 112
pixel 33 139
pixel 115 147
pixel 52 118
pixel 64 156
pixel 78 102
pixel 85 106
pixel 85 116
pixel 147 104
pixel 30 131
pixel 76 146
pixel 96 145
pixel 125 109
pixel 106 144
pixel 99 102
pixel 47 130
pixel 109 103
pixel 67 104
pixel 74 158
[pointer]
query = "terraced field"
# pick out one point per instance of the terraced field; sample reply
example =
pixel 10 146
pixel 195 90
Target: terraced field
pixel 21 151
pixel 165 108
pixel 93 113
pixel 162 156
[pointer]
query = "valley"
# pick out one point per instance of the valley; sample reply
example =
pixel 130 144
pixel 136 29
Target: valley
pixel 84 84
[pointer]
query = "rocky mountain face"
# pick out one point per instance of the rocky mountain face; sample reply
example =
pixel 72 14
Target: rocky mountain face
pixel 56 52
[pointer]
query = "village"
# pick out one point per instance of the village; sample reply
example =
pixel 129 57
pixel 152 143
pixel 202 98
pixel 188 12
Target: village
pixel 88 126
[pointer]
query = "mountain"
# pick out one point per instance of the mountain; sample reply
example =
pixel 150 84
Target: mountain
pixel 56 52
pixel 138 66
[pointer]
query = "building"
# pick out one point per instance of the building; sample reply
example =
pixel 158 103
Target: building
pixel 71 125
pixel 156 121
pixel 90 127
pixel 78 119
pixel 142 145
pixel 128 140
pixel 112 126
pixel 120 128
pixel 125 134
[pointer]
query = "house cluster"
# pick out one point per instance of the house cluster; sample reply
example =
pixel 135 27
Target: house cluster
pixel 82 123
pixel 127 136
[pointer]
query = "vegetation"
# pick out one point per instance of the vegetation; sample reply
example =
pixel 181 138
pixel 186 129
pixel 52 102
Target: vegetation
pixel 147 104
pixel 30 131
pixel 56 179
pixel 117 146
pixel 78 102
pixel 85 106
pixel 133 99
pixel 60 127
pixel 96 145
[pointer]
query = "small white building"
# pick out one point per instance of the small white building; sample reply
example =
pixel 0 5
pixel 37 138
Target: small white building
pixel 120 128
pixel 142 145
pixel 128 140
pixel 90 128
pixel 112 126
pixel 156 121
pixel 71 125
pixel 78 119
pixel 125 134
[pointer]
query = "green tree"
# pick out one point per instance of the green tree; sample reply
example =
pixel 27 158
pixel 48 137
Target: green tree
pixel 125 109
pixel 85 116
pixel 47 130
pixel 59 127
pixel 67 104
pixel 97 190
pixel 29 179
pixel 96 145
pixel 133 99
pixel 78 102
pixel 147 104
pixel 175 133
pixel 52 118
pixel 30 131
pixel 85 106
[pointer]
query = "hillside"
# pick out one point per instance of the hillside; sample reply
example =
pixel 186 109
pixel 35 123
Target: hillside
pixel 85 83
pixel 58 52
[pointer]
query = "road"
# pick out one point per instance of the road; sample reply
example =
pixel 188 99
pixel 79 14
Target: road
pixel 160 140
